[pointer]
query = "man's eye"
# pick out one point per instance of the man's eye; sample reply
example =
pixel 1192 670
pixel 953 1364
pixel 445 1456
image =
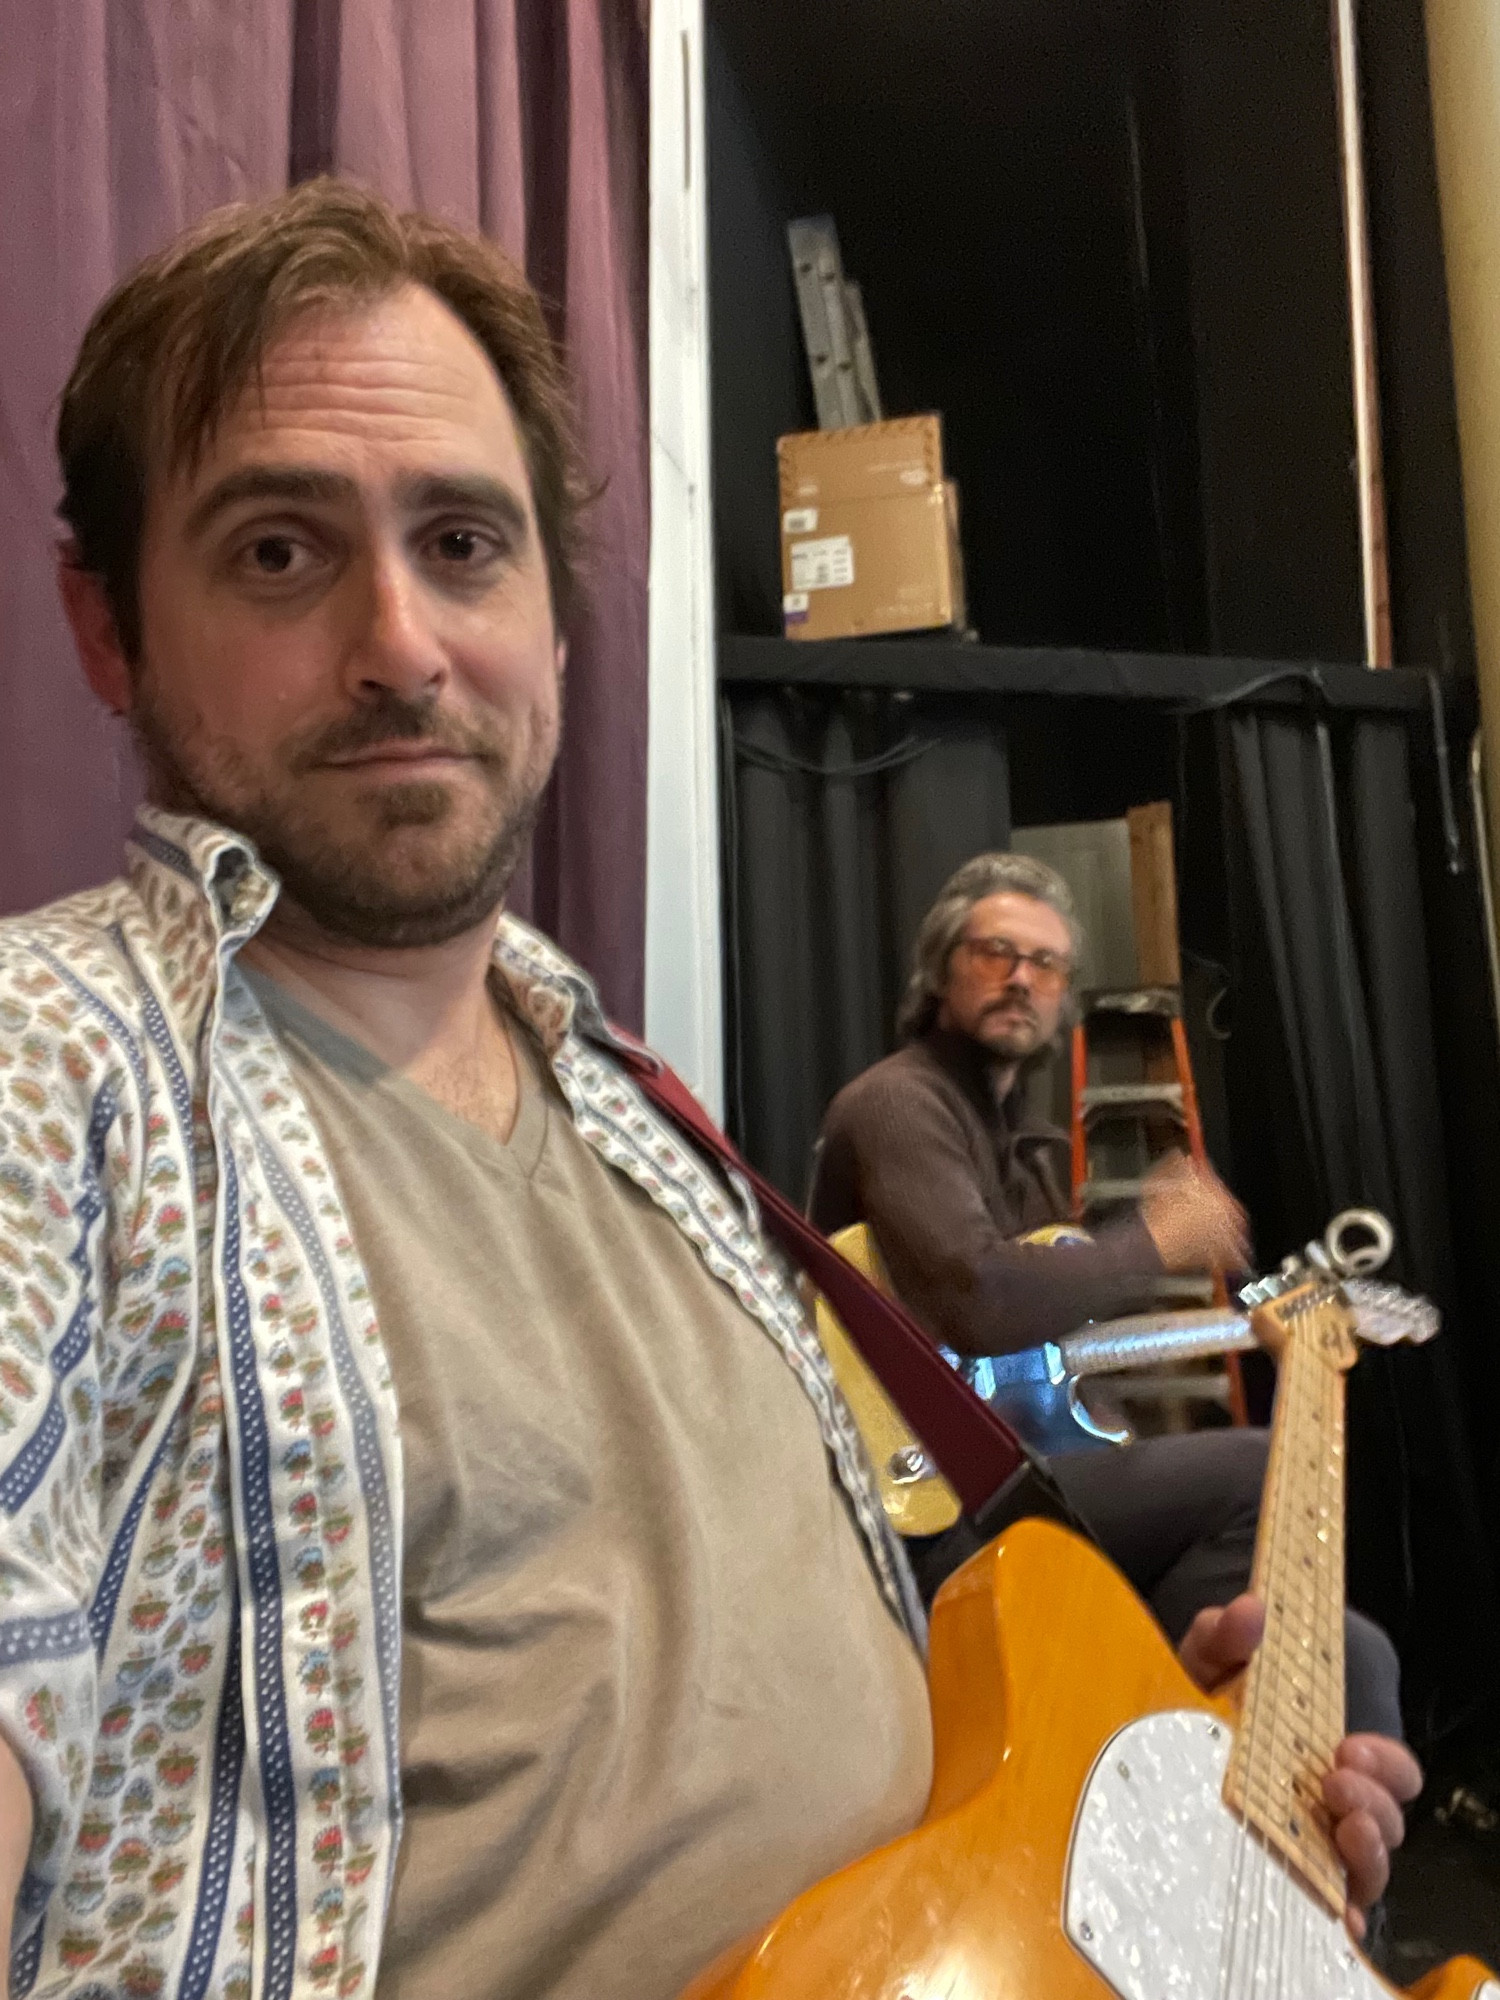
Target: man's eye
pixel 464 547
pixel 272 555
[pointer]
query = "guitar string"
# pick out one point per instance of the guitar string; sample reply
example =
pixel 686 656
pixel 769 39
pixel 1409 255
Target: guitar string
pixel 1274 1657
pixel 1309 1375
pixel 1334 1396
pixel 1317 1381
pixel 1251 1879
pixel 1238 1928
pixel 1303 1370
pixel 1309 1379
pixel 1323 1390
pixel 1322 1631
pixel 1269 1694
pixel 1265 1692
pixel 1235 1929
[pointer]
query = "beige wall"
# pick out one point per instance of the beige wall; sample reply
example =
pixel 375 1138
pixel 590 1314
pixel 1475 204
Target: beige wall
pixel 1464 46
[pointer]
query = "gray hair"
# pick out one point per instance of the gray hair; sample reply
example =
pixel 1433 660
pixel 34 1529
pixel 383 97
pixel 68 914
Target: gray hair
pixel 943 926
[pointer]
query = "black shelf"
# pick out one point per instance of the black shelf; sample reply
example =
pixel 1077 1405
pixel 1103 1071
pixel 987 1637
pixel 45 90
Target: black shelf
pixel 947 666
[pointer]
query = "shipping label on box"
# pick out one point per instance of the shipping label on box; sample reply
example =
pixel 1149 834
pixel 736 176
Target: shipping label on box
pixel 826 564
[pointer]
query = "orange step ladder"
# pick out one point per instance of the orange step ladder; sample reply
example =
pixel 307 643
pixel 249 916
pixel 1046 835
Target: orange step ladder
pixel 1136 1034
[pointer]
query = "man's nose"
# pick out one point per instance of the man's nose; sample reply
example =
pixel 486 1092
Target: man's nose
pixel 395 646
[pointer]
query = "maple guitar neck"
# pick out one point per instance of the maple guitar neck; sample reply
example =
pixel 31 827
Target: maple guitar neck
pixel 1292 1718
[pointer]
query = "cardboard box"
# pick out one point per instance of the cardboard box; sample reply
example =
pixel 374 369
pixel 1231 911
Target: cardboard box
pixel 869 531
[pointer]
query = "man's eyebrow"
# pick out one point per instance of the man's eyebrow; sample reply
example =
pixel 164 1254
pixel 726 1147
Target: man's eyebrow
pixel 268 482
pixel 426 492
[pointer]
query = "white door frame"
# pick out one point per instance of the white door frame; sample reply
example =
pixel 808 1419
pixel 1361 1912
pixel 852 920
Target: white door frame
pixel 684 1002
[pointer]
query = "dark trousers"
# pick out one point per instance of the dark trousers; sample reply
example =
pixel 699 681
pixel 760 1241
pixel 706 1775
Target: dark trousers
pixel 1177 1515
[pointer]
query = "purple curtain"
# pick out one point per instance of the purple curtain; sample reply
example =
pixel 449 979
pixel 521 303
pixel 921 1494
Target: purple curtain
pixel 525 118
pixel 118 124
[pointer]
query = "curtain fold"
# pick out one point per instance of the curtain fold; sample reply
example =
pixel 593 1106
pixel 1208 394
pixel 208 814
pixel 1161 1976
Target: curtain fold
pixel 844 814
pixel 126 119
pixel 1343 1075
pixel 119 124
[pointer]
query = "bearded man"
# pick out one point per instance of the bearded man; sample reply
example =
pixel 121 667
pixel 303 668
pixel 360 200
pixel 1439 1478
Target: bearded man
pixel 434 1559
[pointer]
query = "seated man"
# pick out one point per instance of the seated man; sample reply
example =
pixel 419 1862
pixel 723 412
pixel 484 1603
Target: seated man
pixel 934 1149
pixel 431 1562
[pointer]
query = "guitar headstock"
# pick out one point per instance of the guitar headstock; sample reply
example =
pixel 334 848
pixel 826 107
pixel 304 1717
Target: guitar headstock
pixel 1384 1315
pixel 1314 1314
pixel 1342 1262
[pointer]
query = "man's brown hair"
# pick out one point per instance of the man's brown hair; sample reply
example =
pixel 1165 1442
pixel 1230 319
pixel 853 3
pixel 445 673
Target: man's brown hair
pixel 174 345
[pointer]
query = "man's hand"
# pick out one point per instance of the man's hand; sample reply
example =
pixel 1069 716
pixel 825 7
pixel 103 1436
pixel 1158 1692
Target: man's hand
pixel 1193 1219
pixel 1373 1776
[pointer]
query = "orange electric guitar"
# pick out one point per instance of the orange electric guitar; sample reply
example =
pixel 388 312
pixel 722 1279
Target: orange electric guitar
pixel 1097 1825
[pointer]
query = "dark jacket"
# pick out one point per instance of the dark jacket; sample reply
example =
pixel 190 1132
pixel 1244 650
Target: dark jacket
pixel 947 1178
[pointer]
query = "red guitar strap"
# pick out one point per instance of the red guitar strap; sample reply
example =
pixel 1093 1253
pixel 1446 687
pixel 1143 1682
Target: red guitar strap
pixel 977 1451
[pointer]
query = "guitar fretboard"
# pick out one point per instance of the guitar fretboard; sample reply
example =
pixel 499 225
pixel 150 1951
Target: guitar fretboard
pixel 1293 1714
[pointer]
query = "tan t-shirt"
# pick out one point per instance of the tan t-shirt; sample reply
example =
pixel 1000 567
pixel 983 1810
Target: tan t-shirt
pixel 650 1689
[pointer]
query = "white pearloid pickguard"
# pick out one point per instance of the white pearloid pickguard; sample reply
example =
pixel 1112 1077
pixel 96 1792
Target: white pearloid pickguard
pixel 1168 1897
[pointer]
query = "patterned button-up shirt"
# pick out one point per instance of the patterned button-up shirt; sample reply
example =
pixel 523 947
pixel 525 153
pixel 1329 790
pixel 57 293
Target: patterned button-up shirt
pixel 200 1458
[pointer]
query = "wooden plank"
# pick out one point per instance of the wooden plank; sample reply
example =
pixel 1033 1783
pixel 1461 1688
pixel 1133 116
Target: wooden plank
pixel 1153 894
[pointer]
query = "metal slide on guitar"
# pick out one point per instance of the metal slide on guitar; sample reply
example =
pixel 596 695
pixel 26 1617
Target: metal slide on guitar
pixel 1097 1825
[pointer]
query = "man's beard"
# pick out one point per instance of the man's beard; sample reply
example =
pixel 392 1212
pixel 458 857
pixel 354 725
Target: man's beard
pixel 1013 1039
pixel 340 877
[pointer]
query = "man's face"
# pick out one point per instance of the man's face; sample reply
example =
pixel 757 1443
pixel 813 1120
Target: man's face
pixel 1009 1005
pixel 348 647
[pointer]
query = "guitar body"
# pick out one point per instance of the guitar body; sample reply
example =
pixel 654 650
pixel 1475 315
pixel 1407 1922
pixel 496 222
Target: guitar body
pixel 1041 1656
pixel 916 1497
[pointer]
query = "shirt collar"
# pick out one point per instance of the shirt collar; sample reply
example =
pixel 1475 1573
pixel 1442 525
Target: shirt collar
pixel 238 892
pixel 970 1065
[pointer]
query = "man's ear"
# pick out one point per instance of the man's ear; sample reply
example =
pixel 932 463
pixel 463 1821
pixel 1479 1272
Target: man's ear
pixel 95 633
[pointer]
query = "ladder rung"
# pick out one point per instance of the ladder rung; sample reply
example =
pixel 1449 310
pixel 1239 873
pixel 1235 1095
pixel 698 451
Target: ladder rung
pixel 1164 1001
pixel 1184 1290
pixel 1094 1194
pixel 1131 1096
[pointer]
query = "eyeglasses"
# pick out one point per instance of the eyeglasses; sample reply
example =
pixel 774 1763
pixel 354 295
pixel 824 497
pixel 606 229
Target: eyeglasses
pixel 1051 970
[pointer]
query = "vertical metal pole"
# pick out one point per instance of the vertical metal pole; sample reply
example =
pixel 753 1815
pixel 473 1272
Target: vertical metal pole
pixel 1374 564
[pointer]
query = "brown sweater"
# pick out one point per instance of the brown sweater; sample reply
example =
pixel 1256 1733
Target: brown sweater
pixel 947 1178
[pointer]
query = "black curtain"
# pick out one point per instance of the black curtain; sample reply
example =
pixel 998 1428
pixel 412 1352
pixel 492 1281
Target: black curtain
pixel 1335 1102
pixel 845 811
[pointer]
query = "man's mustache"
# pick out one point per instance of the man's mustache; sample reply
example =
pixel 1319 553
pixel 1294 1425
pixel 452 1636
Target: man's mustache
pixel 1011 1002
pixel 392 719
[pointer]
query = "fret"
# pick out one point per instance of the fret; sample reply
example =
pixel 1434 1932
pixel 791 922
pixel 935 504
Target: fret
pixel 1292 1716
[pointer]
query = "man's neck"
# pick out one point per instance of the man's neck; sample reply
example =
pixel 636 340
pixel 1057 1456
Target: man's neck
pixel 1003 1078
pixel 1000 1072
pixel 427 1011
